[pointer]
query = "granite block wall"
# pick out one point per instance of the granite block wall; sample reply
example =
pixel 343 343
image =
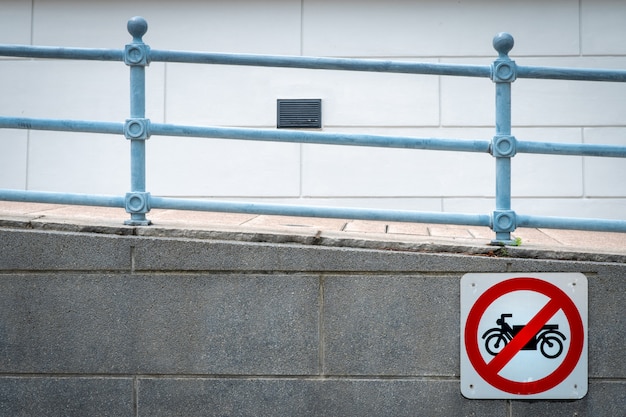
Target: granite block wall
pixel 94 324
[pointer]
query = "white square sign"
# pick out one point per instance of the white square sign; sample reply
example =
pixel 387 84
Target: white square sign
pixel 524 336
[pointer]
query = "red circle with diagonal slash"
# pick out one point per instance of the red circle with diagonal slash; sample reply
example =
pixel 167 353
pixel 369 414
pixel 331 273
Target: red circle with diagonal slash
pixel 558 300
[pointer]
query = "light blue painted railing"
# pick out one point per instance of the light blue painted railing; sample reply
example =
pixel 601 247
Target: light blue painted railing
pixel 137 129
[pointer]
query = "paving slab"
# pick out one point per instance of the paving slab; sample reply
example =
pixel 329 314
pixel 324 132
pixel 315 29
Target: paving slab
pixel 183 218
pixel 294 223
pixel 419 229
pixel 365 226
pixel 574 238
pixel 449 231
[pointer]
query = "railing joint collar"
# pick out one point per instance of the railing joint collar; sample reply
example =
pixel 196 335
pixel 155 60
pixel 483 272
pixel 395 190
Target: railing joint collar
pixel 503 221
pixel 503 146
pixel 137 129
pixel 503 71
pixel 137 202
pixel 137 54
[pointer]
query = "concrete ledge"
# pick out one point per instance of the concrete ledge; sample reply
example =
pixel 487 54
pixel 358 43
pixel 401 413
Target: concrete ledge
pixel 34 250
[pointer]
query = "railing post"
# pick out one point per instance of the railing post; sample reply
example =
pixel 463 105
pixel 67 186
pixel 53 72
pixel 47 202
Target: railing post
pixel 503 145
pixel 137 127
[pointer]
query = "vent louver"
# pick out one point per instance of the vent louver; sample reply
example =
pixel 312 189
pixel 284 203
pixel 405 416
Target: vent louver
pixel 299 113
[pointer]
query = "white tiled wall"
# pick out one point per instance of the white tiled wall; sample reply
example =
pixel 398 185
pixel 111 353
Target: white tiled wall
pixel 213 167
pixel 437 28
pixel 603 27
pixel 63 89
pixel 360 172
pixel 246 96
pixel 78 162
pixel 570 103
pixel 544 175
pixel 15 21
pixel 269 26
pixel 13 158
pixel 564 33
pixel 604 177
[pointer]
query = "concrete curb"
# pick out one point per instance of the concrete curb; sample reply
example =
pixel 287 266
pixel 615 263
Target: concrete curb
pixel 311 236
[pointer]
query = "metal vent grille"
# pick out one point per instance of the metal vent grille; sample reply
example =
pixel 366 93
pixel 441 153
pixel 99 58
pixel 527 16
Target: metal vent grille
pixel 299 113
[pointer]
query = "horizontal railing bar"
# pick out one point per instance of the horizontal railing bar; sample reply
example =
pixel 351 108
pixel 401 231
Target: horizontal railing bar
pixel 249 208
pixel 84 126
pixel 580 149
pixel 600 225
pixel 575 74
pixel 321 211
pixel 324 138
pixel 343 64
pixel 571 223
pixel 56 52
pixel 347 64
pixel 61 198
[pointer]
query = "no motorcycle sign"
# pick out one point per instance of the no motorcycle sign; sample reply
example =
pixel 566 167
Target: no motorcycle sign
pixel 524 335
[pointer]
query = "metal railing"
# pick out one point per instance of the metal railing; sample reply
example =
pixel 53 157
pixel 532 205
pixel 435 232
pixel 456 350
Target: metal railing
pixel 137 129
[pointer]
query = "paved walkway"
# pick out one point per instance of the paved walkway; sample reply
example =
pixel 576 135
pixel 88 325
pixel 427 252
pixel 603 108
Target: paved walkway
pixel 556 244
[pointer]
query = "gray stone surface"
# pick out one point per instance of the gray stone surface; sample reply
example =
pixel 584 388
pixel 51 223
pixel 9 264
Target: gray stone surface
pixel 166 326
pixel 167 254
pixel 306 397
pixel 607 323
pixel 391 325
pixel 194 255
pixel 195 324
pixel 604 399
pixel 68 397
pixel 41 250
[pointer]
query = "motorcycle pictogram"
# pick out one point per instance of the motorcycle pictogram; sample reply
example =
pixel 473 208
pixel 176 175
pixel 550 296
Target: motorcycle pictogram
pixel 548 338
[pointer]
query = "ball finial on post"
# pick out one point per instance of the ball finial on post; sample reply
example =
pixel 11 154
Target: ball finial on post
pixel 137 26
pixel 503 42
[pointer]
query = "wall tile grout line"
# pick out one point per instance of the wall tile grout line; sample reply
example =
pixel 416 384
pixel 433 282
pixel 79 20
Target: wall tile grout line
pixel 132 259
pixel 135 396
pixel 321 332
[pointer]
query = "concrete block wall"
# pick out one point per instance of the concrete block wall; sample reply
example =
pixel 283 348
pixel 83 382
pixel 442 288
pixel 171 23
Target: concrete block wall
pixel 107 325
pixel 578 33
